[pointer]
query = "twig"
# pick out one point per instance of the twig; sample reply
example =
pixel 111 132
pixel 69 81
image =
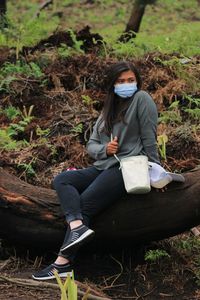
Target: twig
pixel 121 267
pixel 5 263
pixel 42 285
pixel 141 296
pixel 112 286
pixel 165 295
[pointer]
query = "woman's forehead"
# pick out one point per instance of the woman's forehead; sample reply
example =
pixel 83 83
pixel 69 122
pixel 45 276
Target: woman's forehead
pixel 126 74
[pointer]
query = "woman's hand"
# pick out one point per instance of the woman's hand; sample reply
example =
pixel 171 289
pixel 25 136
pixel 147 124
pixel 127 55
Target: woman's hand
pixel 112 147
pixel 164 189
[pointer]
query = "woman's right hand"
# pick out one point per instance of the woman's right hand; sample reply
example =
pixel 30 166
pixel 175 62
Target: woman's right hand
pixel 112 147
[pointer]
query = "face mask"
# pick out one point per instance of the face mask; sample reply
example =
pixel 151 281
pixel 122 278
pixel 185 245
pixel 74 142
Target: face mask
pixel 125 90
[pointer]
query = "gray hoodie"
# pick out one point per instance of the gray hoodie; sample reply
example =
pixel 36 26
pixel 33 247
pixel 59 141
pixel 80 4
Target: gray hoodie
pixel 137 136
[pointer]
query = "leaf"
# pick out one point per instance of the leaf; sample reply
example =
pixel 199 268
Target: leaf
pixel 61 286
pixel 72 290
pixel 162 139
pixel 85 297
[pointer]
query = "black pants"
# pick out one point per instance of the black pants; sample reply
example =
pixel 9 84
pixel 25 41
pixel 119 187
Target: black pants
pixel 85 193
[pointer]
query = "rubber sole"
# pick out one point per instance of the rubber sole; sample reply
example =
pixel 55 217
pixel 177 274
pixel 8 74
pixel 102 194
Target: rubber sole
pixel 83 238
pixel 53 276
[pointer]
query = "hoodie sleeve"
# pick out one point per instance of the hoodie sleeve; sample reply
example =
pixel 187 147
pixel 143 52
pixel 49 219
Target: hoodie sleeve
pixel 94 147
pixel 148 119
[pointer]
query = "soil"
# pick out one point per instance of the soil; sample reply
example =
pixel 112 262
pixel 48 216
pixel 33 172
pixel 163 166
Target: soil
pixel 120 275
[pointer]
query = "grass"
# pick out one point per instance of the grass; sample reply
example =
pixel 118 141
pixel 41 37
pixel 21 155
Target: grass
pixel 24 28
pixel 169 26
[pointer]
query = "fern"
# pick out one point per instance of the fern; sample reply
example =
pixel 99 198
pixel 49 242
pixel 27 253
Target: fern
pixel 11 112
pixel 8 143
pixel 155 255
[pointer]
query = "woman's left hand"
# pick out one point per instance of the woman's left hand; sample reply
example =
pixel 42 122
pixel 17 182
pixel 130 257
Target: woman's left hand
pixel 112 147
pixel 164 189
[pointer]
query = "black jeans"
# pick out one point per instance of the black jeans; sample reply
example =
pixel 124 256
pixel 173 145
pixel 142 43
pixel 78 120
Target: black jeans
pixel 85 193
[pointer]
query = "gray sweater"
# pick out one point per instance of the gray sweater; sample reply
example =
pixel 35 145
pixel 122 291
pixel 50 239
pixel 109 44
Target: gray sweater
pixel 136 137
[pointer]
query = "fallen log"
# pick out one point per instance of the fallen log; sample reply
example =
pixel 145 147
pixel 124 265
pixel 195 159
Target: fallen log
pixel 31 215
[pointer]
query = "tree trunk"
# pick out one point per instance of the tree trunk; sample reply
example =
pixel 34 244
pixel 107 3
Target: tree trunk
pixel 31 216
pixel 2 7
pixel 3 21
pixel 134 22
pixel 135 18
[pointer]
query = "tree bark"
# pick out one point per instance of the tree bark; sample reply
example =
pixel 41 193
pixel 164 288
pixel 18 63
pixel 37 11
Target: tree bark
pixel 31 215
pixel 134 22
pixel 135 19
pixel 2 7
pixel 3 21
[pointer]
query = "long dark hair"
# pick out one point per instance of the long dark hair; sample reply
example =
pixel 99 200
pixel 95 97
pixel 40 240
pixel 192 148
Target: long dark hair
pixel 112 74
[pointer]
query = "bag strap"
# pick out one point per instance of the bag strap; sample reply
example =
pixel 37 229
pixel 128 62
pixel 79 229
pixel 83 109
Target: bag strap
pixel 117 158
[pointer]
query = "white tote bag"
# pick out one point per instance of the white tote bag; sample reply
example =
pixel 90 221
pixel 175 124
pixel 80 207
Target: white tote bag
pixel 135 172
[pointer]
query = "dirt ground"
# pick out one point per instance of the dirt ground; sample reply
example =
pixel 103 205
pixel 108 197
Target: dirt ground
pixel 117 275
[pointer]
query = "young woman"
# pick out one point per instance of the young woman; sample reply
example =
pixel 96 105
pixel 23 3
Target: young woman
pixel 130 117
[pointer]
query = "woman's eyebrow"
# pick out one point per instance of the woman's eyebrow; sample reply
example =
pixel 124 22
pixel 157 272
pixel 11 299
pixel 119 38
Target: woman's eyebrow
pixel 126 78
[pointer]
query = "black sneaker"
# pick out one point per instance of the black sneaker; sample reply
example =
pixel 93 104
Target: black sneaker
pixel 48 272
pixel 77 236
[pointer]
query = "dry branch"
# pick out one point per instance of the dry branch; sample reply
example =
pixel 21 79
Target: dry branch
pixel 41 285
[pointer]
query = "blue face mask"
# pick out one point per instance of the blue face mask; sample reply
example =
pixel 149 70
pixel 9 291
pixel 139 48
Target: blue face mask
pixel 125 90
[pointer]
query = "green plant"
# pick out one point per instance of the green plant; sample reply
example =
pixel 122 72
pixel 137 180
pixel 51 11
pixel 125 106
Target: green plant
pixel 11 112
pixel 189 244
pixel 28 169
pixel 162 140
pixel 189 247
pixel 77 129
pixel 42 132
pixel 5 83
pixel 27 113
pixel 69 290
pixel 43 140
pixel 25 28
pixel 11 72
pixel 87 100
pixel 8 143
pixel 31 69
pixel 7 135
pixel 155 255
pixel 77 44
pixel 193 109
pixel 64 51
pixel 16 128
pixel 172 115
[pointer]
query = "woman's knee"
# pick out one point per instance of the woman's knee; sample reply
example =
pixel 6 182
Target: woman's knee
pixel 60 179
